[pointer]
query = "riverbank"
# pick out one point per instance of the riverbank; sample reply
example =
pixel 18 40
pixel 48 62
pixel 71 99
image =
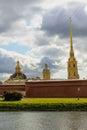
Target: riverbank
pixel 45 104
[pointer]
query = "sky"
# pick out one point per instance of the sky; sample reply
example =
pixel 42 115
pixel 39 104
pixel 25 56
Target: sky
pixel 36 32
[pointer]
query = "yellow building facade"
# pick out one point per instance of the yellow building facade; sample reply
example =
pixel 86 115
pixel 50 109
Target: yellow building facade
pixel 72 63
pixel 46 73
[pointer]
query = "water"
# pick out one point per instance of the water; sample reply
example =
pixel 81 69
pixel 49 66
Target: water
pixel 43 120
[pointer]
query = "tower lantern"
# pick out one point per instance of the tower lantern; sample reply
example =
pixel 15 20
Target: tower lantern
pixel 18 67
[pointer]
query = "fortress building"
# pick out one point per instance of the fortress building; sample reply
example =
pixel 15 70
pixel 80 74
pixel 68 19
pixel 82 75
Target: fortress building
pixel 72 63
pixel 46 73
pixel 18 77
pixel 47 88
pixel 18 73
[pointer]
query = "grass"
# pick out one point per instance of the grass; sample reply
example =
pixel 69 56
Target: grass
pixel 60 104
pixel 54 100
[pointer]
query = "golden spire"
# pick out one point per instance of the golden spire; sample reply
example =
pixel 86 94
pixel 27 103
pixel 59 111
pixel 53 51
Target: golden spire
pixel 71 42
pixel 18 68
pixel 72 63
pixel 46 66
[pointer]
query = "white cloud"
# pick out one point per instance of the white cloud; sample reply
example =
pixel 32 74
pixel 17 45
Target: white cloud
pixel 4 76
pixel 8 61
pixel 26 22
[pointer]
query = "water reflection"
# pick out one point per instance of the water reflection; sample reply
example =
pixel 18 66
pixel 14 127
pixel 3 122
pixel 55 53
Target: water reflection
pixel 78 121
pixel 75 121
pixel 43 120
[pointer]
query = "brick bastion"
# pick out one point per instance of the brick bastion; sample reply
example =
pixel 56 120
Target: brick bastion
pixel 49 88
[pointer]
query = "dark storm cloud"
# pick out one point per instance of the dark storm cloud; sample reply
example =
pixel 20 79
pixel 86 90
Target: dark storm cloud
pixel 13 10
pixel 51 64
pixel 42 40
pixel 56 21
pixel 7 64
pixel 48 51
pixel 53 52
pixel 32 73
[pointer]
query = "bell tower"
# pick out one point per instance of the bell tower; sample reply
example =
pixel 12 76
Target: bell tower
pixel 72 63
pixel 46 73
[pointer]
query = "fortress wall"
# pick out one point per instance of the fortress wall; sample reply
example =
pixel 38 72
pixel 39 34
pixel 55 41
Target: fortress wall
pixel 51 89
pixel 72 88
pixel 8 87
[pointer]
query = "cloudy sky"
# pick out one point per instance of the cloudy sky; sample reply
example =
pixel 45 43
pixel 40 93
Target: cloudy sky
pixel 36 32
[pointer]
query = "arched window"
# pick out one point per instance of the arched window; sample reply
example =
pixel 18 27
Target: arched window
pixel 73 65
pixel 74 74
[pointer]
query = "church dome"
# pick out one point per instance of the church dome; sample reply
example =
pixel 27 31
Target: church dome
pixel 18 74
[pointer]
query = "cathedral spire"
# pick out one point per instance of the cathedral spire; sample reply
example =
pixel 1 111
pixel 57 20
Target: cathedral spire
pixel 72 63
pixel 71 41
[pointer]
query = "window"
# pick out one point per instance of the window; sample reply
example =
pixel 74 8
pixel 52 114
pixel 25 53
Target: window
pixel 74 74
pixel 73 65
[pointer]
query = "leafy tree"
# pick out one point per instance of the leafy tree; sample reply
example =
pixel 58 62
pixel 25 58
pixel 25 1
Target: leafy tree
pixel 12 96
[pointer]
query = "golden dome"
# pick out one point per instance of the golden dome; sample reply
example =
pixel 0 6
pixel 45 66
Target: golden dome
pixel 18 74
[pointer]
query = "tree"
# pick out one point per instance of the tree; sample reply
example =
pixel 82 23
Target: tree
pixel 12 96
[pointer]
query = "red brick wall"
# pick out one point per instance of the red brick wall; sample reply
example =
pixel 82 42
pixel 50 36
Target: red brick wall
pixel 5 87
pixel 65 88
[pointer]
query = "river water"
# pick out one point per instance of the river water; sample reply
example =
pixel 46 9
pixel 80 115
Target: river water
pixel 43 120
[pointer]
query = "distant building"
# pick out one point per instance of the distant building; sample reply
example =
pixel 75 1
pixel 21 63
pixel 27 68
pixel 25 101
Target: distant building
pixel 18 77
pixel 18 74
pixel 46 73
pixel 72 63
pixel 35 78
